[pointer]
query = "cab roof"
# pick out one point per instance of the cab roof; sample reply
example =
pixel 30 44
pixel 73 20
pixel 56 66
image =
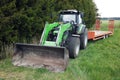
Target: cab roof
pixel 70 12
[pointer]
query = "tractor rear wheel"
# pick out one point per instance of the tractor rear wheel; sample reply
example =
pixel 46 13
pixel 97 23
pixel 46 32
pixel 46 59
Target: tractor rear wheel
pixel 84 39
pixel 73 47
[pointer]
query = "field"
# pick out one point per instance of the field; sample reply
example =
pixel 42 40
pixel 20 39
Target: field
pixel 99 61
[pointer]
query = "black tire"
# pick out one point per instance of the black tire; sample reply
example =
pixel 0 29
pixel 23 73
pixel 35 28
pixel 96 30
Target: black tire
pixel 73 47
pixel 84 39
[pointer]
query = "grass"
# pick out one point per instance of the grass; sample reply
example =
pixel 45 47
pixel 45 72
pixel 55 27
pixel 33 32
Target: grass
pixel 99 61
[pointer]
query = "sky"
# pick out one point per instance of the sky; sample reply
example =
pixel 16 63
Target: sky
pixel 108 8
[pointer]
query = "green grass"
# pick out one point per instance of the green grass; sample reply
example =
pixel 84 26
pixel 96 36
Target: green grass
pixel 99 61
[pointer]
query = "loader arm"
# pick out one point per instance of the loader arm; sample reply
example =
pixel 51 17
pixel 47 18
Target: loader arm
pixel 47 29
pixel 62 28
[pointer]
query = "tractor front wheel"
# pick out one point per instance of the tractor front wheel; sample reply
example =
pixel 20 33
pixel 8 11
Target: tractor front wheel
pixel 73 47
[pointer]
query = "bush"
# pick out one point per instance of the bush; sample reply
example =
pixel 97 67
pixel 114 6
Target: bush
pixel 21 20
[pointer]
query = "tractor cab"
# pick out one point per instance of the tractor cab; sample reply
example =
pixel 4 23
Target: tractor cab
pixel 72 16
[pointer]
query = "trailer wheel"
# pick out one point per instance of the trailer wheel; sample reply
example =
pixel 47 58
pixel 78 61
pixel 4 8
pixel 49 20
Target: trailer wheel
pixel 84 39
pixel 106 36
pixel 73 47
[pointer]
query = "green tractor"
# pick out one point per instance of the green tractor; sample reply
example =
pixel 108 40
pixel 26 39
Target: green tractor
pixel 59 42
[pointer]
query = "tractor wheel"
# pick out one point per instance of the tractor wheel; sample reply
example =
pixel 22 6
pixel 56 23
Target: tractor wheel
pixel 84 39
pixel 73 47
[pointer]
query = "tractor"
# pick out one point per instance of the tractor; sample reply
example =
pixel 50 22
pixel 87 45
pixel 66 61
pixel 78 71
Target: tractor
pixel 59 41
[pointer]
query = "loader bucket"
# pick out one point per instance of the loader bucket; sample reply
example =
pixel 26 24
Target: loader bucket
pixel 52 58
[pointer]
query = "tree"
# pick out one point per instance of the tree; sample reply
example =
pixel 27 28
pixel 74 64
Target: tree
pixel 21 20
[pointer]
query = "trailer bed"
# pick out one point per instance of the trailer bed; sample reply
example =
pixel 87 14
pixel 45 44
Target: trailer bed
pixel 97 34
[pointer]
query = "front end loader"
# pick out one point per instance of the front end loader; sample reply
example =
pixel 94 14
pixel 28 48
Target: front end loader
pixel 59 41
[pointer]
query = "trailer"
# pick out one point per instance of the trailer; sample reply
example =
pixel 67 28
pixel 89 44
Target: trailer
pixel 99 34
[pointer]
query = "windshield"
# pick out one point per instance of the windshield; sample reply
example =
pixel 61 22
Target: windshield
pixel 68 17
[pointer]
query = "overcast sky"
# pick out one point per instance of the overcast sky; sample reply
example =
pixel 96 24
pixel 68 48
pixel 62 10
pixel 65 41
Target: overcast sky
pixel 108 8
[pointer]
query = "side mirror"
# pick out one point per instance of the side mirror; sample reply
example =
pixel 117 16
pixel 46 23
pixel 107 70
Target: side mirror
pixel 82 15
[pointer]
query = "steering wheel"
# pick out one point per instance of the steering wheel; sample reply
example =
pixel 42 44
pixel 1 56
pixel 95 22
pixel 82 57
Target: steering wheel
pixel 71 22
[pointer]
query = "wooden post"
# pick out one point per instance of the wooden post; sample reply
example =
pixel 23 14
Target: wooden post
pixel 111 25
pixel 97 24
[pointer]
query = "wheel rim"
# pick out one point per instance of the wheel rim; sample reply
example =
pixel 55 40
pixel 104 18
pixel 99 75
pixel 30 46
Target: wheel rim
pixel 106 36
pixel 86 40
pixel 77 49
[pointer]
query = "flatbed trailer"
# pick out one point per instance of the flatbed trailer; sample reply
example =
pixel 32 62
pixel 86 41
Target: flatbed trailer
pixel 98 34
